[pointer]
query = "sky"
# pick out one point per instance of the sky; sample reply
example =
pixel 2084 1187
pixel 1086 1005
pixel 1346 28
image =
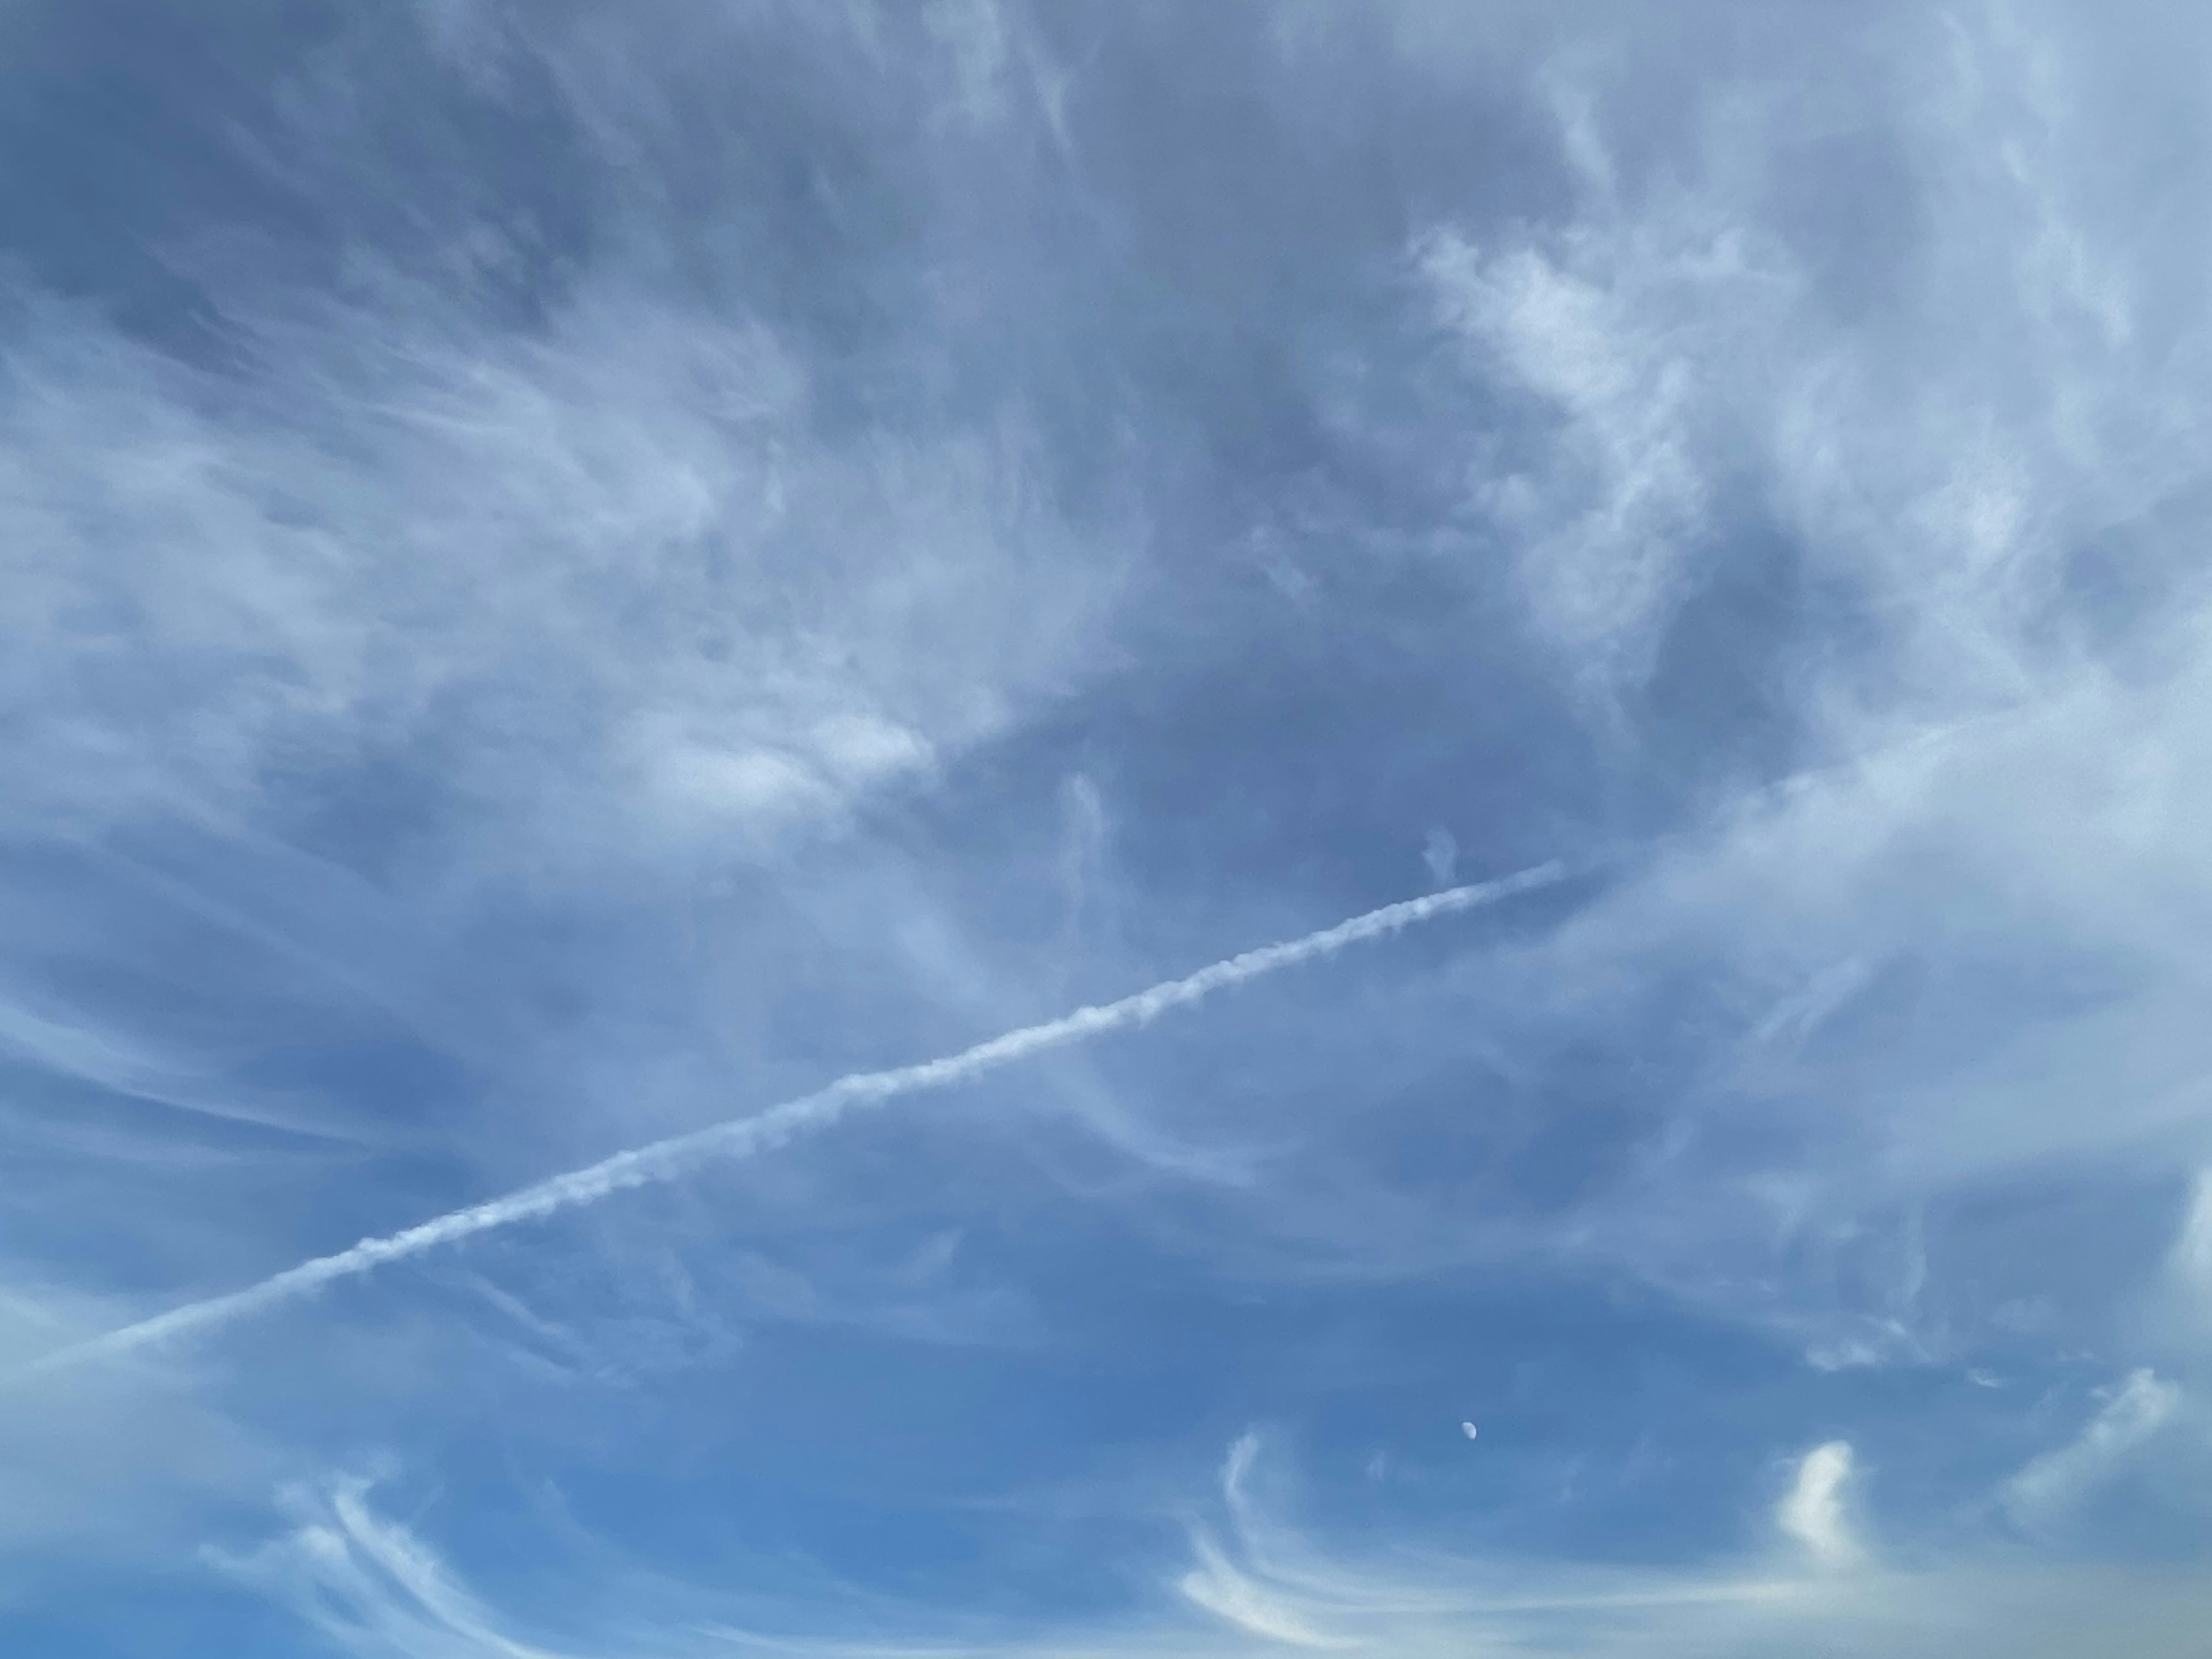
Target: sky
pixel 672 666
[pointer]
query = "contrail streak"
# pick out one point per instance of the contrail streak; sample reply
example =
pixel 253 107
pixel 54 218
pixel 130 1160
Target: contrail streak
pixel 664 1160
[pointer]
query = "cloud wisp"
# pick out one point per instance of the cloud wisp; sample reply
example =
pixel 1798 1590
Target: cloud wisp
pixel 2055 1482
pixel 375 1587
pixel 666 1160
pixel 1813 1511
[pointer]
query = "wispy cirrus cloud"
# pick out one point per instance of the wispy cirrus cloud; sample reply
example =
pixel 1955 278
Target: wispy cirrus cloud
pixel 741 1137
pixel 2041 1493
pixel 572 572
pixel 373 1587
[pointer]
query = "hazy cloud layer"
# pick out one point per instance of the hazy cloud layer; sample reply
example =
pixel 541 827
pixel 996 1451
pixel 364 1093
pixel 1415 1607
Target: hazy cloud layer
pixel 574 572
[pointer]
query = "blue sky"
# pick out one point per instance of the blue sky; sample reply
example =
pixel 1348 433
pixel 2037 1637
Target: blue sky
pixel 578 573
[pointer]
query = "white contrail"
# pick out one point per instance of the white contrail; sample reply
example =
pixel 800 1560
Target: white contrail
pixel 664 1160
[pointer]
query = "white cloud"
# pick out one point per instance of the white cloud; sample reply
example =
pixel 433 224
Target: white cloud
pixel 2044 1491
pixel 1440 853
pixel 1992 646
pixel 371 1587
pixel 1813 1511
pixel 1604 531
pixel 662 609
pixel 1218 1586
pixel 615 567
pixel 746 1137
pixel 2189 1264
pixel 376 1590
pixel 84 1047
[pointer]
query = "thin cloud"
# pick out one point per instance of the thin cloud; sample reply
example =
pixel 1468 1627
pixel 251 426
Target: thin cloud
pixel 666 1160
pixel 1216 1585
pixel 2043 1492
pixel 370 1586
pixel 375 1588
pixel 121 1064
pixel 720 465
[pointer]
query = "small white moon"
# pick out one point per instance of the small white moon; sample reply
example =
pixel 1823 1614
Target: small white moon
pixel 1467 1429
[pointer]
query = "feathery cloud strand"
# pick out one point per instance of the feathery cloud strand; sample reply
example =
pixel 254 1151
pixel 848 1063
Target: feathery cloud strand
pixel 666 1160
